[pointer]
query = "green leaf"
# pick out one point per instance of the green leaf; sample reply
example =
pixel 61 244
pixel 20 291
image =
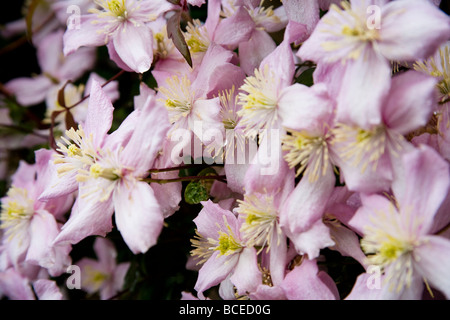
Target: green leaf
pixel 174 32
pixel 195 192
pixel 198 191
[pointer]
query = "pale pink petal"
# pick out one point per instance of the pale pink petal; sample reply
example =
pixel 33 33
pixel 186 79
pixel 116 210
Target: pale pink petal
pixel 15 286
pixel 99 116
pixel 87 35
pixel 367 82
pixel 47 290
pixel 138 215
pixel 306 282
pixel 303 11
pixel 43 231
pixel 114 56
pixel 253 51
pixel 305 108
pixel 432 261
pixel 134 45
pixel 347 242
pixel 89 216
pixel 404 26
pixel 29 91
pixel 311 241
pixel 147 139
pixel 214 271
pixel 410 101
pixel 426 173
pixel 211 218
pixel 246 276
pixel 307 203
pixel 281 63
pixel 206 122
pixel 105 251
pixel 232 31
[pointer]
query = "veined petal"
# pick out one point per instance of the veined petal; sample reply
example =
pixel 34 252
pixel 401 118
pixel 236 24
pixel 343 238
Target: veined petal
pixel 99 116
pixel 214 271
pixel 253 51
pixel 29 91
pixel 89 34
pixel 138 215
pixel 425 173
pixel 410 101
pixel 308 201
pixel 247 276
pixel 134 45
pixel 232 31
pixel 432 261
pixel 306 282
pixel 89 216
pixel 401 40
pixel 367 82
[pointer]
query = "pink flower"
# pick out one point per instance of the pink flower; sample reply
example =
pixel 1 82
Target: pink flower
pixel 31 225
pixel 55 70
pixel 369 157
pixel 16 286
pixel 397 235
pixel 362 49
pixel 110 169
pixel 218 246
pixel 103 275
pixel 122 24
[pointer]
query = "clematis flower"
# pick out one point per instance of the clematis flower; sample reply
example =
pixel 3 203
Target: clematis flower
pixel 260 94
pixel 191 99
pixel 309 119
pixel 396 233
pixel 362 50
pixel 56 70
pixel 218 246
pixel 110 175
pixel 259 43
pixel 369 157
pixel 30 225
pixel 122 24
pixel 16 286
pixel 103 275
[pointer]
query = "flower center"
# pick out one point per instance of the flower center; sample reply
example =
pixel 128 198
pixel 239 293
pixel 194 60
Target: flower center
pixel 197 37
pixel 261 219
pixel 259 101
pixel 388 246
pixel 16 210
pixel 302 149
pixel 179 97
pixel 363 146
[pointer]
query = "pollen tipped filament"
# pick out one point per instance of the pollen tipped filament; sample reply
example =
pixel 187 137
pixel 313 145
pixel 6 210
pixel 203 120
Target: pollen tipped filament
pixel 16 210
pixel 303 151
pixel 197 37
pixel 389 245
pixel 364 147
pixel 116 8
pixel 179 97
pixel 261 220
pixel 259 100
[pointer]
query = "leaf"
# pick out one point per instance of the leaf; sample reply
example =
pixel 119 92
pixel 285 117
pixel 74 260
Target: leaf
pixel 174 32
pixel 197 191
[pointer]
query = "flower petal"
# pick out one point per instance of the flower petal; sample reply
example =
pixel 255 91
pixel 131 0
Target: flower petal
pixel 138 216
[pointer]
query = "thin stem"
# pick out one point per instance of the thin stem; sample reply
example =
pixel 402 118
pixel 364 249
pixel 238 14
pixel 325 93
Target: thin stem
pixel 103 85
pixel 181 179
pixel 187 166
